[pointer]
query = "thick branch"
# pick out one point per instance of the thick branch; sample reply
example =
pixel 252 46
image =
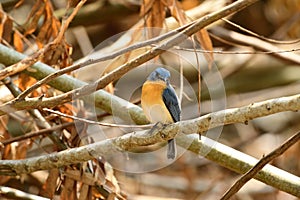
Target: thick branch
pixel 240 115
pixel 64 83
pixel 198 125
pixel 212 150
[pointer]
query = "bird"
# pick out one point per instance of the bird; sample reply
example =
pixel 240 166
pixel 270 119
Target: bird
pixel 160 102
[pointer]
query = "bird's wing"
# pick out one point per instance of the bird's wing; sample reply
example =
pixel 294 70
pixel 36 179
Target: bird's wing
pixel 171 101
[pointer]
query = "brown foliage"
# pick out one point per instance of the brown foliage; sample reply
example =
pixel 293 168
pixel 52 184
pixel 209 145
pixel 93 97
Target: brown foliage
pixel 96 178
pixel 44 27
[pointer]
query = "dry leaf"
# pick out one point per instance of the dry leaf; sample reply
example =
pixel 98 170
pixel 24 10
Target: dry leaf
pixel 156 18
pixel 84 192
pixel 205 41
pixel 44 33
pixel 100 174
pixel 24 81
pixel 42 21
pixel 154 13
pixel 50 185
pixel 3 127
pixel 21 148
pixel 202 36
pixel 2 15
pixel 189 4
pixel 111 180
pixel 68 189
pixel 49 27
pixel 110 88
pixel 18 43
pixel 177 12
pixel 68 109
pixel 111 196
pixel 6 26
pixel 146 7
pixel 32 21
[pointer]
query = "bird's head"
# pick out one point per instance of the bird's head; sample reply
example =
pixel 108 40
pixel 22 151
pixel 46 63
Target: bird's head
pixel 159 74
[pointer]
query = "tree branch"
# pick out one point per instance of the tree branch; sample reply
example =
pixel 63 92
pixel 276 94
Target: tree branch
pixel 259 165
pixel 36 133
pixel 199 125
pixel 195 13
pixel 12 193
pixel 100 59
pixel 241 163
pixel 64 83
pixel 212 150
pixel 241 115
pixel 118 72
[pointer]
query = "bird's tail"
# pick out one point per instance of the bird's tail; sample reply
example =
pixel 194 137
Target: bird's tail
pixel 171 153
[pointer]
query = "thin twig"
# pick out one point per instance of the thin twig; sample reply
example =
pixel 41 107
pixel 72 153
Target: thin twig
pixel 257 44
pixel 66 23
pixel 260 36
pixel 199 74
pixel 36 133
pixel 95 122
pixel 259 165
pixel 238 52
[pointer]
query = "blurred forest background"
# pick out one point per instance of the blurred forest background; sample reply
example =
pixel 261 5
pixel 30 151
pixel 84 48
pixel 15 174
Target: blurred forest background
pixel 255 51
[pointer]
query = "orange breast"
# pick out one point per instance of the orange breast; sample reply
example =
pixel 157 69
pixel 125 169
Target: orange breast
pixel 153 104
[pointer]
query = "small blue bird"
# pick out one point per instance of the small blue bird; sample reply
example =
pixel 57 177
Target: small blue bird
pixel 160 102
